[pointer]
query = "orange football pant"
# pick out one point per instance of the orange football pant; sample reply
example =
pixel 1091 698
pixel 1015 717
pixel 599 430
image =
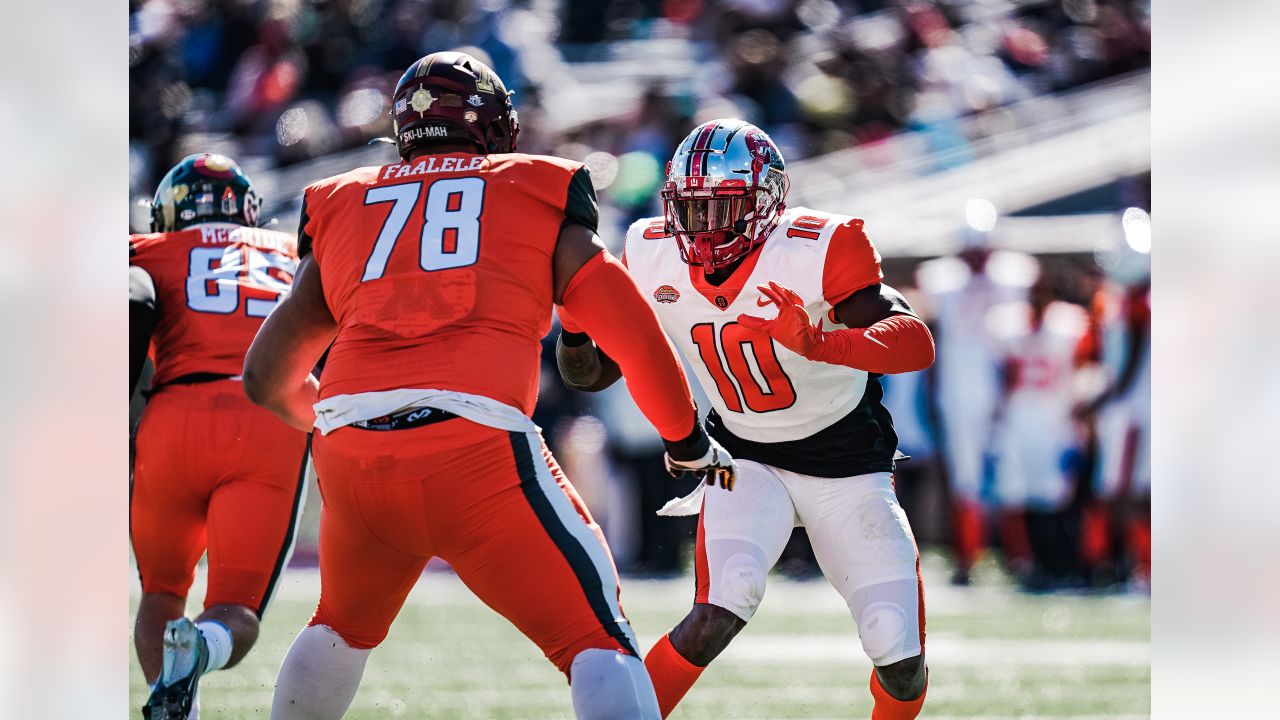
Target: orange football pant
pixel 214 471
pixel 493 504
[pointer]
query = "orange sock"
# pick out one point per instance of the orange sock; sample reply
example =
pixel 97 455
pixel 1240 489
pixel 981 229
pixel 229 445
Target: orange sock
pixel 1095 535
pixel 672 675
pixel 1140 546
pixel 888 707
pixel 968 529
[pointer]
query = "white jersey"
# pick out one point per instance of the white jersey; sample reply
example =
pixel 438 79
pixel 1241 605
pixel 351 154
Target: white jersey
pixel 760 391
pixel 1036 437
pixel 967 366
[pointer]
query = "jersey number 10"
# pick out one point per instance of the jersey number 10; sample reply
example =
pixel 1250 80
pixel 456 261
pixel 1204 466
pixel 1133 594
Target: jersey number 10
pixel 765 387
pixel 450 225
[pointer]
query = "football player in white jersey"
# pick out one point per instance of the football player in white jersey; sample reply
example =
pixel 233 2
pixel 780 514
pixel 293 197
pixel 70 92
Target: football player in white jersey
pixel 1035 441
pixel 782 315
pixel 962 290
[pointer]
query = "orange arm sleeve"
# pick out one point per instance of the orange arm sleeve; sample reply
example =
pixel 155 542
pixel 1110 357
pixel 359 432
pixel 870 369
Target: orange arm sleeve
pixel 567 323
pixel 606 303
pixel 897 344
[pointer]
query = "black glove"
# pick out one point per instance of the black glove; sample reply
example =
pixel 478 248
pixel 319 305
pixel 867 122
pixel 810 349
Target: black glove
pixel 702 456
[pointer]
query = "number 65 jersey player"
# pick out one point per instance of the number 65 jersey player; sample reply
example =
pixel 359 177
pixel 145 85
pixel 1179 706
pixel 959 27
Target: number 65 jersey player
pixel 213 470
pixel 786 324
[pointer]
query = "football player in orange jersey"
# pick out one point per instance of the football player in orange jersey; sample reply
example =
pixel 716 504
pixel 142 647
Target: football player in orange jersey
pixel 795 397
pixel 212 469
pixel 433 279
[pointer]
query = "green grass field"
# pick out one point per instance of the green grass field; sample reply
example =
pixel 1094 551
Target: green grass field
pixel 993 653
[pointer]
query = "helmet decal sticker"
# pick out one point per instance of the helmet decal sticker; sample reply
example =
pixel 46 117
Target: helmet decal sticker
pixel 421 100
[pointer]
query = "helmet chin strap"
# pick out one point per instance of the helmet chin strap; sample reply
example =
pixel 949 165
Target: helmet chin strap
pixel 705 252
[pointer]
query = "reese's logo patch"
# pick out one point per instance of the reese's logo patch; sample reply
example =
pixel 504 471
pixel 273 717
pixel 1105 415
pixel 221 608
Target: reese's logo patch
pixel 666 294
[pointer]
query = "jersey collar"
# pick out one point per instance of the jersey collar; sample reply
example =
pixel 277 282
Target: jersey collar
pixel 732 287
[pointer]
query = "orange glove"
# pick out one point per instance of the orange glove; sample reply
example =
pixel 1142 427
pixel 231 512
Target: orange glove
pixel 899 343
pixel 791 329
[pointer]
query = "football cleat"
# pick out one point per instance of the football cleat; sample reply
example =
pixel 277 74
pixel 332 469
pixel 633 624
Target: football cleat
pixel 186 656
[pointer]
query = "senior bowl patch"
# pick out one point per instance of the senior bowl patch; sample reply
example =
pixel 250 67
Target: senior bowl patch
pixel 666 294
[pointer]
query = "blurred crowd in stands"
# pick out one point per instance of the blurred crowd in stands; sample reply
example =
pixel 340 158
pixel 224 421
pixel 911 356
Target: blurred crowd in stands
pixel 1028 435
pixel 281 81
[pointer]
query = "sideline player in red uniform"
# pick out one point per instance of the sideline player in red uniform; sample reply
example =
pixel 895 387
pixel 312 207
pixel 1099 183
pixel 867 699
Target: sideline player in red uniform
pixel 212 469
pixel 795 398
pixel 434 279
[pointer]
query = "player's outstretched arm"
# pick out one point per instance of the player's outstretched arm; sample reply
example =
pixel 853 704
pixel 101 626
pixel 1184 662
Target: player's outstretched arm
pixel 277 368
pixel 602 297
pixel 884 335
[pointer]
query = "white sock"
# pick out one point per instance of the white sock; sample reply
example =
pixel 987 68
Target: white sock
pixel 319 677
pixel 218 637
pixel 195 707
pixel 608 685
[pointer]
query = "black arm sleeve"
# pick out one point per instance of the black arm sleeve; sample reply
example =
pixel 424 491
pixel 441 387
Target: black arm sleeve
pixel 143 314
pixel 870 305
pixel 580 206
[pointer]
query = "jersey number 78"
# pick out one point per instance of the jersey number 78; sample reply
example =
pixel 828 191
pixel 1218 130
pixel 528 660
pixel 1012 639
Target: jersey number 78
pixel 450 226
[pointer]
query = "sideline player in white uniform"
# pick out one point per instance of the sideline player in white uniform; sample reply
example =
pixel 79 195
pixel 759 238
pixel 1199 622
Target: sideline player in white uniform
pixel 1035 440
pixel 795 398
pixel 963 289
pixel 1035 436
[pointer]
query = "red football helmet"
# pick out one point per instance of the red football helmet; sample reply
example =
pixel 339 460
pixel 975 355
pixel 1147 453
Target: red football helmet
pixel 451 96
pixel 725 190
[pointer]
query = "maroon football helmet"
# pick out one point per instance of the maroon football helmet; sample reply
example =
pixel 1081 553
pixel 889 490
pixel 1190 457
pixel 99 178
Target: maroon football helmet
pixel 451 97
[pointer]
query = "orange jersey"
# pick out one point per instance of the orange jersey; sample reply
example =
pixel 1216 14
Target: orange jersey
pixel 438 271
pixel 214 285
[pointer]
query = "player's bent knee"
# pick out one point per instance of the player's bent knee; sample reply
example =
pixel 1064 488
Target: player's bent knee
pixel 738 582
pixel 883 629
pixel 359 639
pixel 705 632
pixel 609 685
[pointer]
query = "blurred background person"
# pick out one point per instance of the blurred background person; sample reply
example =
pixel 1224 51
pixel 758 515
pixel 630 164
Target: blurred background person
pixel 1117 526
pixel 1035 443
pixel 962 290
